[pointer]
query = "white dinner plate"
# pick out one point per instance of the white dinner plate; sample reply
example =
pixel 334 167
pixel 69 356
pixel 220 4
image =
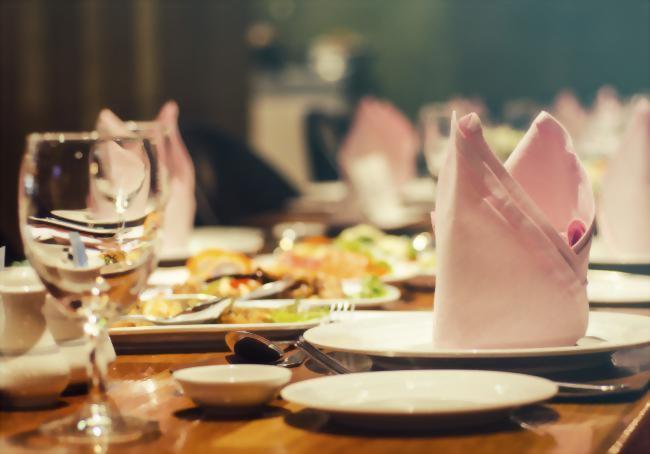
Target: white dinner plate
pixel 167 277
pixel 600 255
pixel 247 240
pixel 613 287
pixel 407 335
pixel 419 399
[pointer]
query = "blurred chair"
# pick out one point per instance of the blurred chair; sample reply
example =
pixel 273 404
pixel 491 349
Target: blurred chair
pixel 324 134
pixel 232 182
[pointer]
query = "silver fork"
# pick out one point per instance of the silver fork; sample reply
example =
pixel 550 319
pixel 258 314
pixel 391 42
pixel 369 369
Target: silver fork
pixel 339 308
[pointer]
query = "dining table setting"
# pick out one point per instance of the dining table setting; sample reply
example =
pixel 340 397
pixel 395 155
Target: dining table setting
pixel 500 303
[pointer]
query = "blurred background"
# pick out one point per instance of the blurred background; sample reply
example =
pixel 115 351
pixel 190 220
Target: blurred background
pixel 262 75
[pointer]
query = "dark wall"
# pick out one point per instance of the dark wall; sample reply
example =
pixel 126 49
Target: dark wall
pixel 429 50
pixel 62 61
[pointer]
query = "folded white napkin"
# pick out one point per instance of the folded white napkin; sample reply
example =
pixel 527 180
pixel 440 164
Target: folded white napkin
pixel 512 241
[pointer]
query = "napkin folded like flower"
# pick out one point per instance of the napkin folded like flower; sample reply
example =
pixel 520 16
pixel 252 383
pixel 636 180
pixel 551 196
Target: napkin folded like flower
pixel 512 241
pixel 181 203
pixel 624 204
pixel 125 170
pixel 379 128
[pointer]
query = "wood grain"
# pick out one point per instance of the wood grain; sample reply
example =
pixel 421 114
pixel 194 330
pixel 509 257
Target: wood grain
pixel 142 385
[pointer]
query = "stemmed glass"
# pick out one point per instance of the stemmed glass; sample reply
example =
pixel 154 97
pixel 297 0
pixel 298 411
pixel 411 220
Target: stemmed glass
pixel 434 124
pixel 89 214
pixel 158 137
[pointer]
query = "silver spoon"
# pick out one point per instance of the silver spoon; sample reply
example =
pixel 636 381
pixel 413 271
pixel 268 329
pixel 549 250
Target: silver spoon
pixel 211 307
pixel 212 312
pixel 261 350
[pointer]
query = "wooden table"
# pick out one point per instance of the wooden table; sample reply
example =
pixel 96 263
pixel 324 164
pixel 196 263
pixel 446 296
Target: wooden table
pixel 141 385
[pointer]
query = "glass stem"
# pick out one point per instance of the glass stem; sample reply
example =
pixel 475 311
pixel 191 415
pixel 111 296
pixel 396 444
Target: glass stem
pixel 96 364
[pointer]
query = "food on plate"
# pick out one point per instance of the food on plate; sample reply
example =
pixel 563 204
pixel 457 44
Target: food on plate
pixel 373 242
pixel 356 252
pixel 326 259
pixel 288 314
pixel 214 262
pixel 161 306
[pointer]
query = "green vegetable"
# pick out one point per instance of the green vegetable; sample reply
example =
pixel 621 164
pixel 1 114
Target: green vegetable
pixel 293 314
pixel 371 287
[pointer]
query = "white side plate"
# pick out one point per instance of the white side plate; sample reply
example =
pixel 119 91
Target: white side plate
pixel 419 399
pixel 612 287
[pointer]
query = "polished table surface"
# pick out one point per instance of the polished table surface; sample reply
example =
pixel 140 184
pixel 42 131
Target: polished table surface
pixel 141 385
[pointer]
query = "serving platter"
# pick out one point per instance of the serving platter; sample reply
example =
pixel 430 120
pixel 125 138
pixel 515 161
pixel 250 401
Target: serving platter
pixel 167 277
pixel 200 337
pixel 403 272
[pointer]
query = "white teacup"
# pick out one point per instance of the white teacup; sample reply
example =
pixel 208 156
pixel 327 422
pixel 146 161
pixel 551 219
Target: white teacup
pixel 33 371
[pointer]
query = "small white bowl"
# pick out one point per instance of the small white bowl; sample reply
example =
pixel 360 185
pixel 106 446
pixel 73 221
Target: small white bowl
pixel 232 386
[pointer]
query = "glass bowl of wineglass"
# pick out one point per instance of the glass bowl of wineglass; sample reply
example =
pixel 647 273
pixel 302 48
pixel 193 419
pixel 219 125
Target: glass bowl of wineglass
pixel 89 215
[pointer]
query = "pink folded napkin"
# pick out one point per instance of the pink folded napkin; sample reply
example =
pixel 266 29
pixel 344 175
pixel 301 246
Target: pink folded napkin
pixel 181 203
pixel 570 112
pixel 512 241
pixel 123 168
pixel 379 128
pixel 624 204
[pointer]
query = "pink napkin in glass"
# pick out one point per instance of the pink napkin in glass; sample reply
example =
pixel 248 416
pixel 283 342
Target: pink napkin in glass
pixel 512 241
pixel 125 170
pixel 624 203
pixel 378 127
pixel 181 205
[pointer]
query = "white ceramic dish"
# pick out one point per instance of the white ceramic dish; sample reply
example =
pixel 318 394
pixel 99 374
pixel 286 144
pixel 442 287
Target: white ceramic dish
pixel 422 399
pixel 407 335
pixel 33 370
pixel 167 277
pixel 613 287
pixel 247 240
pixel 241 385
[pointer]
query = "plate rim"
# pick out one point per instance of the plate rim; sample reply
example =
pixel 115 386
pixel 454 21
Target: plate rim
pixel 489 407
pixel 489 353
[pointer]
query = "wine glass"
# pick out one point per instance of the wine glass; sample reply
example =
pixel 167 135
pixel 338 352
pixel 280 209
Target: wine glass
pixel 434 123
pixel 159 138
pixel 89 215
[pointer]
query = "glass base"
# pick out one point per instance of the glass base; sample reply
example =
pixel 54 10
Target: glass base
pixel 97 423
